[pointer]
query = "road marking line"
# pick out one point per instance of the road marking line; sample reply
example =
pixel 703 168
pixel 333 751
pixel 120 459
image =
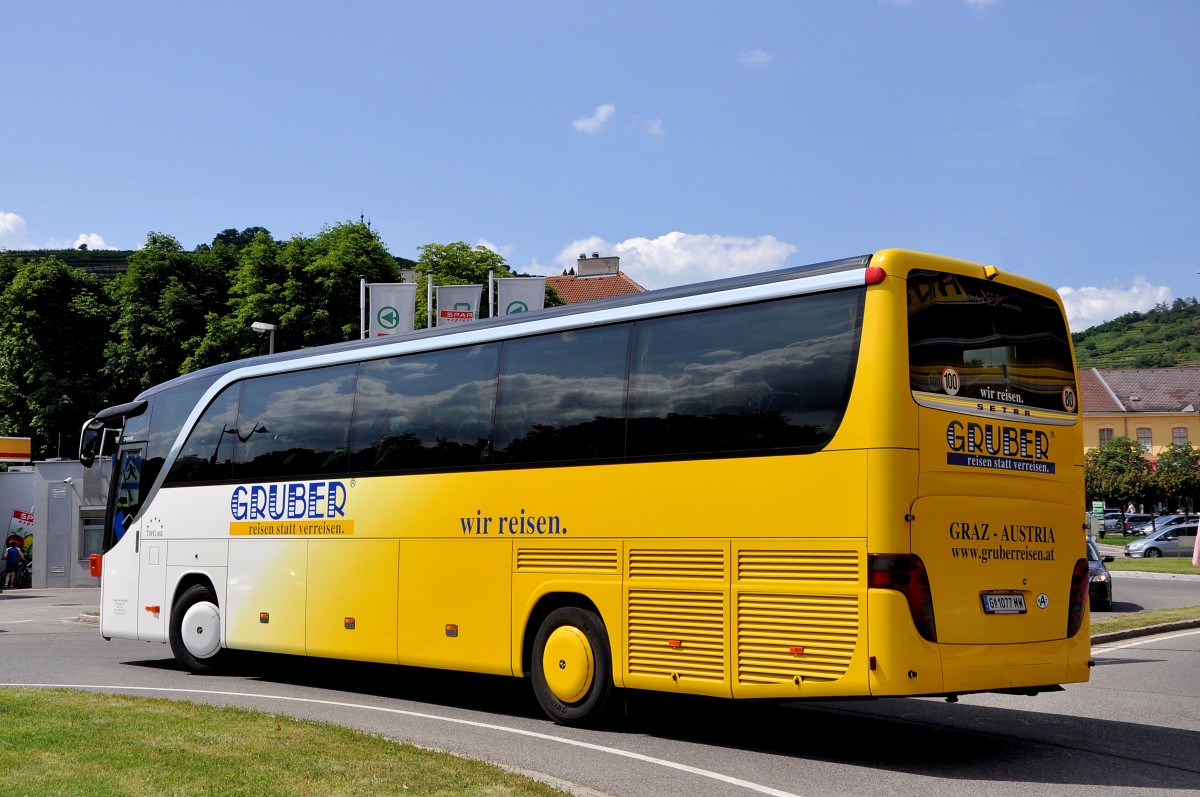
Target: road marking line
pixel 1145 641
pixel 662 762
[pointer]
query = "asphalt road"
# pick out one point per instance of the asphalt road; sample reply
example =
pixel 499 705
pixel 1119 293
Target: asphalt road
pixel 1132 730
pixel 1133 592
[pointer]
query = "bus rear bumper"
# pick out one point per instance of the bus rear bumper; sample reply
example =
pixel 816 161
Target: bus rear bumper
pixel 904 664
pixel 976 668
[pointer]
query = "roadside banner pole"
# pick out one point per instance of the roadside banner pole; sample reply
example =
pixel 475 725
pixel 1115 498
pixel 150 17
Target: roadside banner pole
pixel 362 307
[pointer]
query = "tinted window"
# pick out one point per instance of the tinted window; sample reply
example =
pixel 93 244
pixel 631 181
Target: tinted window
pixel 207 454
pixel 294 424
pixel 425 410
pixel 561 396
pixel 987 342
pixel 168 412
pixel 759 377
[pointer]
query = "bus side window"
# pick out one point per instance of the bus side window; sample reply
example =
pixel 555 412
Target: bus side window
pixel 425 411
pixel 207 454
pixel 773 376
pixel 561 396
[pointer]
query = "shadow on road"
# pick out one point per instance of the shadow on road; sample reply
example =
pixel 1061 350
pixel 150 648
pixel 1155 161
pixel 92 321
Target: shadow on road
pixel 922 737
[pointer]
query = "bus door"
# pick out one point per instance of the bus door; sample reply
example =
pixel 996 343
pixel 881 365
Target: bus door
pixel 135 568
pixel 148 544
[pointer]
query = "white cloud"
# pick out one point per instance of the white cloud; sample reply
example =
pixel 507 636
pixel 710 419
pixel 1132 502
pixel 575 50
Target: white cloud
pixel 679 258
pixel 755 57
pixel 93 241
pixel 504 250
pixel 14 235
pixel 12 231
pixel 655 127
pixel 1089 306
pixel 593 123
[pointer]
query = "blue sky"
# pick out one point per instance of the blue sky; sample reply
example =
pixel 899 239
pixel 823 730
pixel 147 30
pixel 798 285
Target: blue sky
pixel 693 139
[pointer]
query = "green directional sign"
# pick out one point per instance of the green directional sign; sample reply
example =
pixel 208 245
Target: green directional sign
pixel 388 317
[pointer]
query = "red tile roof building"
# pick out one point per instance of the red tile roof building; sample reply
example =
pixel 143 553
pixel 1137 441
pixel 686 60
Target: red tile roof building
pixel 595 278
pixel 1154 406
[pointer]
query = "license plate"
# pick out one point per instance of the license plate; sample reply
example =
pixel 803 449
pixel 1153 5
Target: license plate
pixel 1004 604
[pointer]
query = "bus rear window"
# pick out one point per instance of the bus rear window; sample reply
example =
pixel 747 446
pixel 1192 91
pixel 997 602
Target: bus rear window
pixel 979 340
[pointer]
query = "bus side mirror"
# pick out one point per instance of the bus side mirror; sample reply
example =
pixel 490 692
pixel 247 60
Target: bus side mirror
pixel 89 441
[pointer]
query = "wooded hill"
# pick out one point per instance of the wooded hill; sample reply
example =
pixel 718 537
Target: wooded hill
pixel 105 263
pixel 1160 338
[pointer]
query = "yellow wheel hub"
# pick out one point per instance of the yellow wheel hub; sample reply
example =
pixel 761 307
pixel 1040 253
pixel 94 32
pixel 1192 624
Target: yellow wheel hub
pixel 568 664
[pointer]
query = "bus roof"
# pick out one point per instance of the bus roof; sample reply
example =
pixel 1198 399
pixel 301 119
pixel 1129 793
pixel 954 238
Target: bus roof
pixel 599 305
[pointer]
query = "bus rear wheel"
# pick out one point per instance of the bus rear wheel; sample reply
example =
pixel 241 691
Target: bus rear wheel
pixel 572 666
pixel 196 629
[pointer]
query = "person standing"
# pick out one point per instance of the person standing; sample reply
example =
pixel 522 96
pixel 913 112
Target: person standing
pixel 12 562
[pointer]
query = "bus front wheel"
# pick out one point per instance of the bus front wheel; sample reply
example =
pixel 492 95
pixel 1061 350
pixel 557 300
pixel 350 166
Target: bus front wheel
pixel 572 667
pixel 196 629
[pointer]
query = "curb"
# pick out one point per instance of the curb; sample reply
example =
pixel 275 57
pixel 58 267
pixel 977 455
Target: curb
pixel 1149 630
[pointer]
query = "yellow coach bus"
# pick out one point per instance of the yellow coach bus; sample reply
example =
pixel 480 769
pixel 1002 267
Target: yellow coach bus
pixel 857 478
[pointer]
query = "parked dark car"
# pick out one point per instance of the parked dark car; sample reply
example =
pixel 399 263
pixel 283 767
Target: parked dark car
pixel 1135 520
pixel 1162 522
pixel 1113 519
pixel 1100 591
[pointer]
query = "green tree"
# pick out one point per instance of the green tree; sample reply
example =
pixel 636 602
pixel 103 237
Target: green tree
pixel 1116 472
pixel 52 323
pixel 461 264
pixel 1178 474
pixel 323 283
pixel 163 300
pixel 457 263
pixel 307 287
pixel 256 293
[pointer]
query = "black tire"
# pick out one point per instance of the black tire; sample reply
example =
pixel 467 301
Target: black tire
pixel 1153 553
pixel 193 645
pixel 580 681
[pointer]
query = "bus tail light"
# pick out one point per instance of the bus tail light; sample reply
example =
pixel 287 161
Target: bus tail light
pixel 1079 598
pixel 905 573
pixel 874 275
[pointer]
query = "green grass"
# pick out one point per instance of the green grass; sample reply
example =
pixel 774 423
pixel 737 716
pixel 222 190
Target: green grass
pixel 1125 622
pixel 1167 564
pixel 1120 539
pixel 66 743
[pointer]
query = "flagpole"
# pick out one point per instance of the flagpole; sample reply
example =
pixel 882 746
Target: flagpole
pixel 362 308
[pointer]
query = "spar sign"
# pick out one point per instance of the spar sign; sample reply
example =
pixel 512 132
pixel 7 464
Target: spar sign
pixel 457 304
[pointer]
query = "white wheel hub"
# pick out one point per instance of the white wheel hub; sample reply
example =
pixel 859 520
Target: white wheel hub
pixel 201 630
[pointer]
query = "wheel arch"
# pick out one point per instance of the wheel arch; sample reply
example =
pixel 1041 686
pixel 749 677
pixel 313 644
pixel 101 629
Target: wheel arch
pixel 189 580
pixel 542 609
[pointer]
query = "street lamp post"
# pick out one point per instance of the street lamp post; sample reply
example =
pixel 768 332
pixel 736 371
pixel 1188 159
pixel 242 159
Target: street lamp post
pixel 263 326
